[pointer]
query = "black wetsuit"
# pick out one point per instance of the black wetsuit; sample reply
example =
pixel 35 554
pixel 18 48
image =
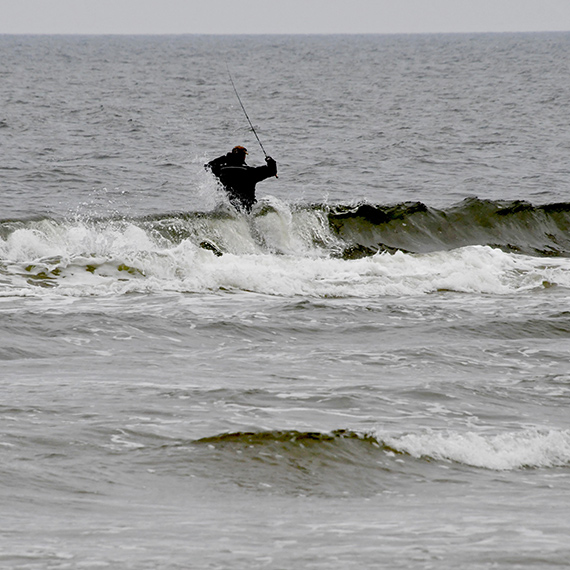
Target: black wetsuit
pixel 239 179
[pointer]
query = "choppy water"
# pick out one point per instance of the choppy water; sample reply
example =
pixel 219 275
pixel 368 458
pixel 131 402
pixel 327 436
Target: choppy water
pixel 374 374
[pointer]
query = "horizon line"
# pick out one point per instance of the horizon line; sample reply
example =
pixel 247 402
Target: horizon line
pixel 482 32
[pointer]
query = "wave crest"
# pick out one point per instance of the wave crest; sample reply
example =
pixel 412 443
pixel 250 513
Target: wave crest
pixel 508 451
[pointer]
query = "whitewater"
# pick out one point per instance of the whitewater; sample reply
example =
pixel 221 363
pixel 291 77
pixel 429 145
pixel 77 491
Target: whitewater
pixel 370 370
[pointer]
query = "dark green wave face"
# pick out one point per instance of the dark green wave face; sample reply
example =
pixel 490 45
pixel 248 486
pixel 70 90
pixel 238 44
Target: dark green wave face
pixel 339 463
pixel 515 227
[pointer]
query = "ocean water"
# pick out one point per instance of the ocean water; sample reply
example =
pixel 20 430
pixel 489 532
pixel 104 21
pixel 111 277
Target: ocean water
pixel 374 373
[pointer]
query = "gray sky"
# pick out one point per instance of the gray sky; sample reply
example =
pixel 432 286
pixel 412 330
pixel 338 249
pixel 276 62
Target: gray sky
pixel 280 16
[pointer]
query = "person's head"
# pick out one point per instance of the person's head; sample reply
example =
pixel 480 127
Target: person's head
pixel 239 153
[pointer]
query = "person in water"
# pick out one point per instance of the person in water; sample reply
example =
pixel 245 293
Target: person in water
pixel 239 179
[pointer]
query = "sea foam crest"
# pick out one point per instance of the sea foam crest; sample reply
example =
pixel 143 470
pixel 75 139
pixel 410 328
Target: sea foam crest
pixel 513 450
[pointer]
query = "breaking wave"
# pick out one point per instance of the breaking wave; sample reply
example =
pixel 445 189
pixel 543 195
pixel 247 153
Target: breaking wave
pixel 315 250
pixel 507 451
pixel 345 462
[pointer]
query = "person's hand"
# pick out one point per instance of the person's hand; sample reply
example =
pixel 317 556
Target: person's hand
pixel 272 164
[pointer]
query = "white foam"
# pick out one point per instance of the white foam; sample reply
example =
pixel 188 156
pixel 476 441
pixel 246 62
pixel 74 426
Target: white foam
pixel 513 450
pixel 472 270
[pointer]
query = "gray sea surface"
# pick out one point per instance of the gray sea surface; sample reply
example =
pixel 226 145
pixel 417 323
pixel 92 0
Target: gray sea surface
pixel 373 374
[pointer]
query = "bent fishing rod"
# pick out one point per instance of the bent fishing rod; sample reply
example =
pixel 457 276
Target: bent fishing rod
pixel 245 112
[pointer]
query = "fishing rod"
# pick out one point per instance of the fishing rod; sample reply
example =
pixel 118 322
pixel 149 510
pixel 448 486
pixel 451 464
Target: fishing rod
pixel 245 112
